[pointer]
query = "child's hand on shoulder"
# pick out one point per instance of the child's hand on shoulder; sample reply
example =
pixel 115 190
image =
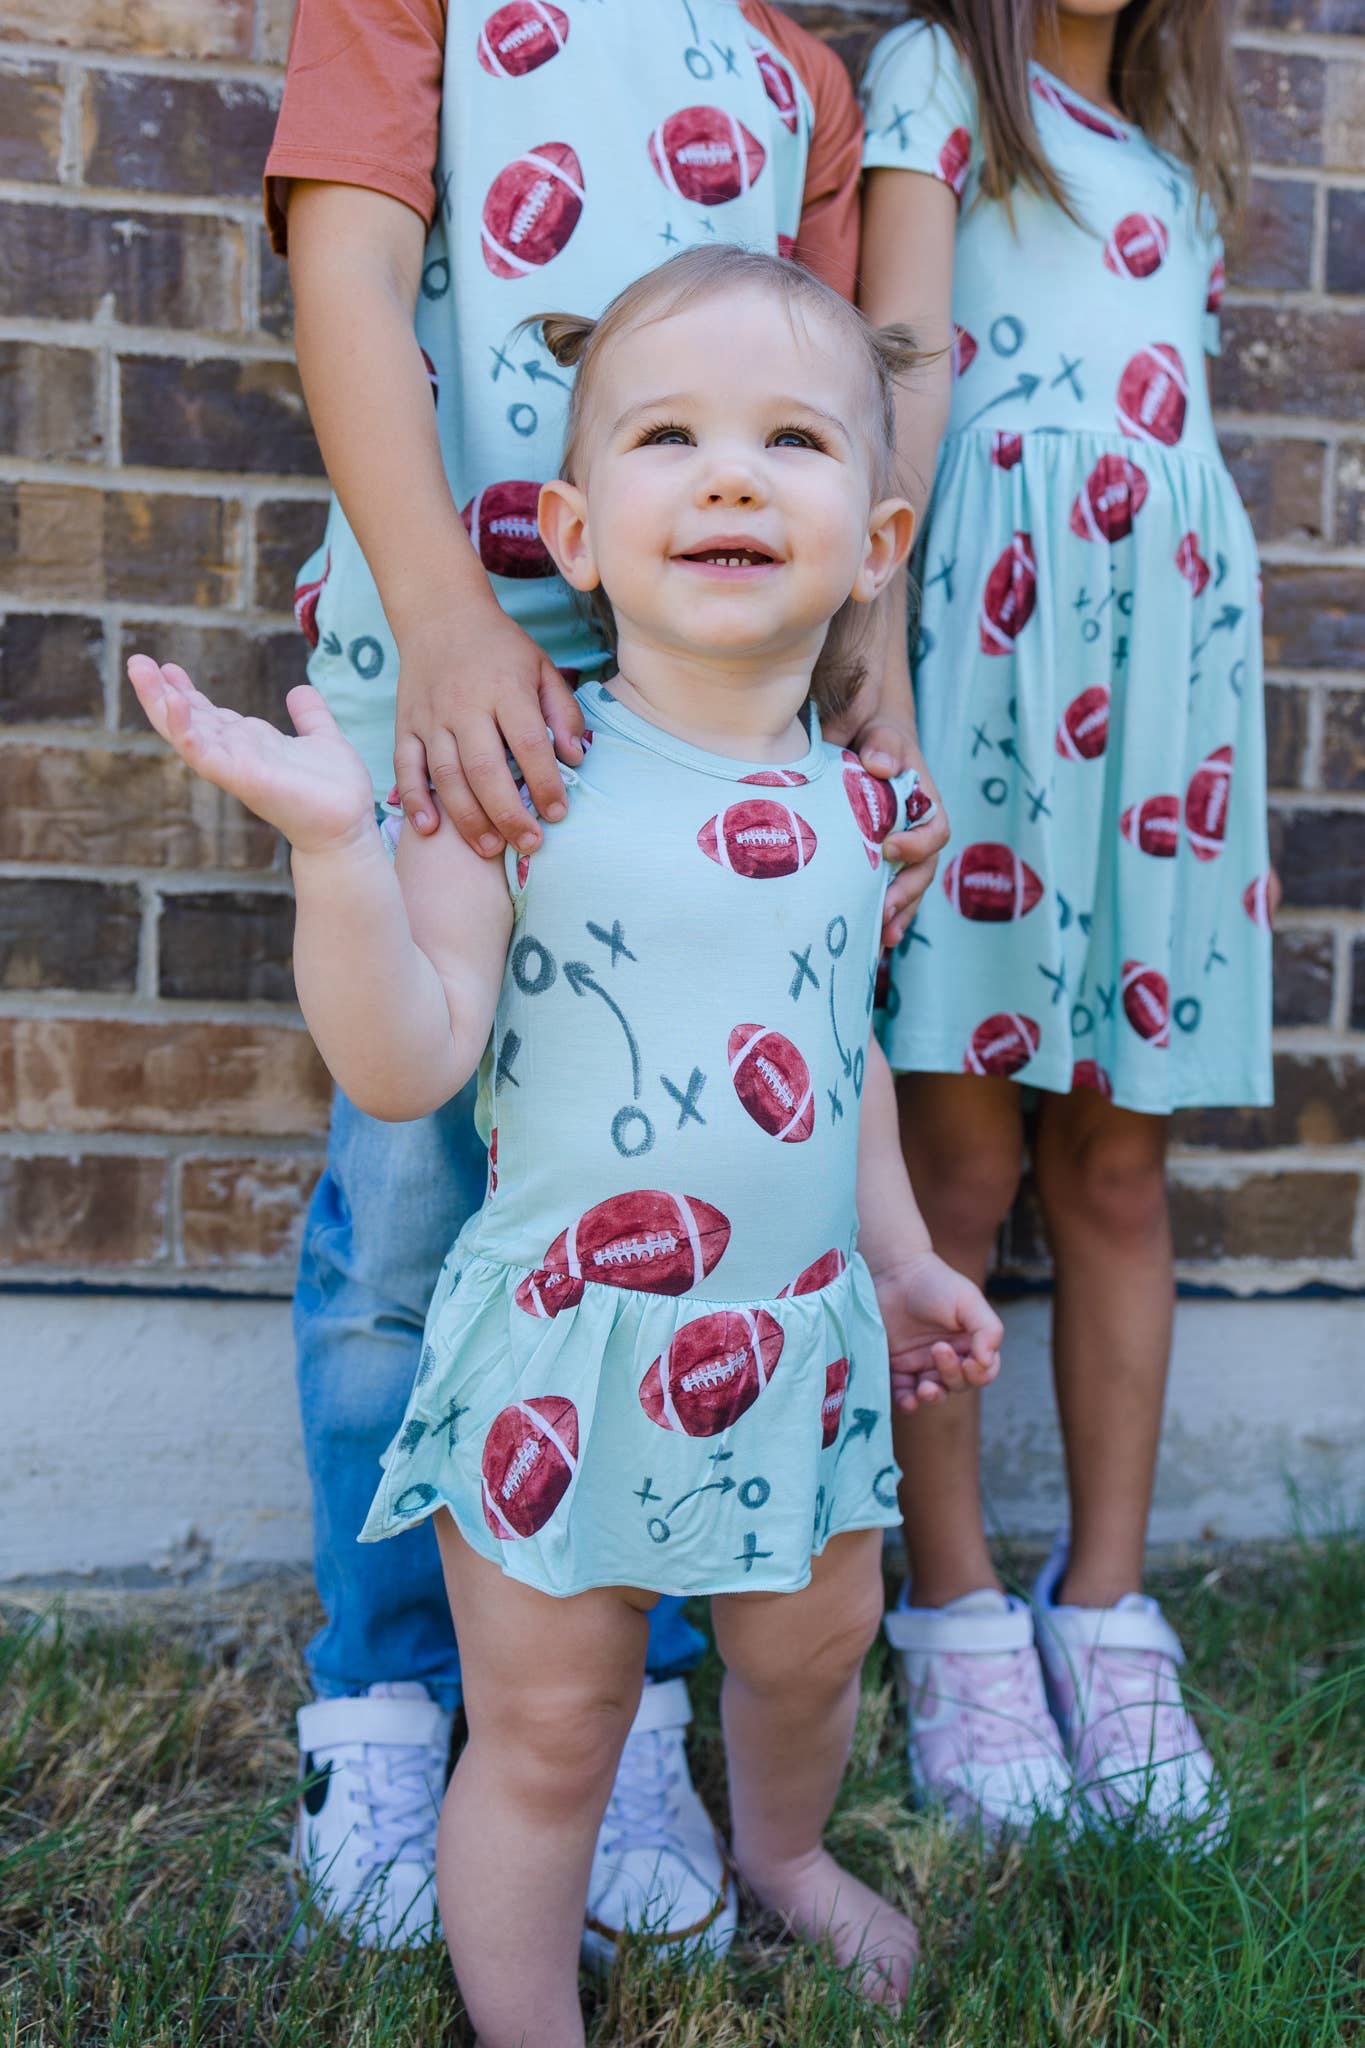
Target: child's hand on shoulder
pixel 313 787
pixel 942 1334
pixel 465 701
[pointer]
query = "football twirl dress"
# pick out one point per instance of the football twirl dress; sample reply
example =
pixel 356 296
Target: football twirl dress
pixel 1088 651
pixel 654 1358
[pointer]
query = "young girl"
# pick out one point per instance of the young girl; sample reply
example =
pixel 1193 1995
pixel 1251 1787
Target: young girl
pixel 654 1361
pixel 1042 203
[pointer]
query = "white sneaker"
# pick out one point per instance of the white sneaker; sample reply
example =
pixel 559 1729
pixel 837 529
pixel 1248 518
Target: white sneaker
pixel 364 1850
pixel 981 1743
pixel 658 1870
pixel 1113 1680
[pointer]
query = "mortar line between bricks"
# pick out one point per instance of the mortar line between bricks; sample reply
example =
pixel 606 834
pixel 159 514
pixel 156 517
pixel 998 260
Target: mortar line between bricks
pixel 1251 298
pixel 1317 241
pixel 1315 724
pixel 149 941
pixel 160 1145
pixel 218 70
pixel 226 485
pixel 1342 948
pixel 242 209
pixel 76 1006
pixel 168 882
pixel 1311 174
pixel 1287 42
pixel 1279 426
pixel 1327 507
pixel 124 612
pixel 69 142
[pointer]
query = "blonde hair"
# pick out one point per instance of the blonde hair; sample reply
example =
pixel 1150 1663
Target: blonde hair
pixel 581 344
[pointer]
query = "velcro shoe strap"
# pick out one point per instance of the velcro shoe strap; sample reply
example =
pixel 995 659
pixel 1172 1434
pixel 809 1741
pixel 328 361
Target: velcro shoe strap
pixel 662 1706
pixel 926 1631
pixel 1082 1630
pixel 335 1724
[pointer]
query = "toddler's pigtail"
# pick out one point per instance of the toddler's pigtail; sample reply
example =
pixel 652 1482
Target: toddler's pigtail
pixel 897 349
pixel 565 335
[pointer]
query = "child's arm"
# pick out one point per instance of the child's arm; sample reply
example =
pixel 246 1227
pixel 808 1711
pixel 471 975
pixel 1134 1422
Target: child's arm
pixel 398 992
pixel 471 683
pixel 909 233
pixel 942 1334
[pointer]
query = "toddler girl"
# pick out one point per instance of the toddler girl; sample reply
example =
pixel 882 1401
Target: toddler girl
pixel 654 1361
pixel 1088 669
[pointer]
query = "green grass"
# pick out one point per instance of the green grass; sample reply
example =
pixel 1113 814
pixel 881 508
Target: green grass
pixel 146 1762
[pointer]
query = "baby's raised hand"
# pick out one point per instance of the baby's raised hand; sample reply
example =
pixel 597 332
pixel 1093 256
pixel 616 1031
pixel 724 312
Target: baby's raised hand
pixel 942 1334
pixel 314 788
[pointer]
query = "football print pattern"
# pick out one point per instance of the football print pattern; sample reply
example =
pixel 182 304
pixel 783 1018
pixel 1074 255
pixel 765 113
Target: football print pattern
pixel 530 1456
pixel 1083 729
pixel 1206 804
pixel 521 37
pixel 1137 246
pixel 820 1273
pixel 1146 1002
pixel 779 86
pixel 1002 1044
pixel 706 155
pixel 832 1407
pixel 306 597
pixel 1115 492
pixel 758 838
pixel 1009 597
pixel 532 208
pixel 1086 117
pixel 1154 392
pixel 501 522
pixel 1153 826
pixel 1191 563
pixel 954 161
pixel 989 883
pixel 663 1243
pixel 773 1082
pixel 873 803
pixel 713 1371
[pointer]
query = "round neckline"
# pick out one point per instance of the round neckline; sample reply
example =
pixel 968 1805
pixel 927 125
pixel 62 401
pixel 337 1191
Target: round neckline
pixel 1091 106
pixel 600 707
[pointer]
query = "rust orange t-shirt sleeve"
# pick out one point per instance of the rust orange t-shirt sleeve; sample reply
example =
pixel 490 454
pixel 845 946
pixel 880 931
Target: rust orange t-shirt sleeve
pixel 827 241
pixel 362 103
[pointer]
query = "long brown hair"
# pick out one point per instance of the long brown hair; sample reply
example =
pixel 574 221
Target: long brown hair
pixel 1171 76
pixel 582 344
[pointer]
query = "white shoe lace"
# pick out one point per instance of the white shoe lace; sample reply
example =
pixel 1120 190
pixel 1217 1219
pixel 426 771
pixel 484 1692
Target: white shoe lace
pixel 643 1806
pixel 399 1807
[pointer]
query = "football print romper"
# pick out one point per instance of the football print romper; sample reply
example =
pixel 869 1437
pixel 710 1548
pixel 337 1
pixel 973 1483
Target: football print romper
pixel 654 1357
pixel 575 153
pixel 1088 653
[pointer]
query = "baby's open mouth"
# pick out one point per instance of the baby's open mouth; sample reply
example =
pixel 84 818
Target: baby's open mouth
pixel 731 558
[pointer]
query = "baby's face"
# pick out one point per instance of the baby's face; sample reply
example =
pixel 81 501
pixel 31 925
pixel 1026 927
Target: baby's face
pixel 728 477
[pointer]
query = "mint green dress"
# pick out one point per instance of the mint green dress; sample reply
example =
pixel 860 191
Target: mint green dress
pixel 654 1357
pixel 1087 655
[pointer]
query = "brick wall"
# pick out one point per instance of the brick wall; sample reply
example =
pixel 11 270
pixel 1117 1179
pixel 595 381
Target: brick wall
pixel 162 1109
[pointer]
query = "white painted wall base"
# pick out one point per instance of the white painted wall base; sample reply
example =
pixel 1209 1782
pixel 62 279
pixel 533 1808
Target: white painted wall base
pixel 161 1435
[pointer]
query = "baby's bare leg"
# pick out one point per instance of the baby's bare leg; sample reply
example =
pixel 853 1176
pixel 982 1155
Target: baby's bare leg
pixel 550 1690
pixel 788 1706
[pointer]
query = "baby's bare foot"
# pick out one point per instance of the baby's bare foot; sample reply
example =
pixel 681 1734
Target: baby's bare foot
pixel 821 1902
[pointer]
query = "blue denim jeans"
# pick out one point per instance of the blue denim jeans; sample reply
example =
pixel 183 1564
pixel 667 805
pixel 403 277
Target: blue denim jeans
pixel 382 1218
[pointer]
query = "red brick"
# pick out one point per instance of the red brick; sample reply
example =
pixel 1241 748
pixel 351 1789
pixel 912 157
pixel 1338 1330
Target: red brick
pixel 248 672
pixel 1319 1100
pixel 1304 964
pixel 30 121
pixel 221 414
pixel 1343 745
pixel 1346 241
pixel 287 531
pixel 1282 98
pixel 1286 734
pixel 226 945
pixel 67 541
pixel 1277 251
pixel 1314 617
pixel 151 28
pixel 109 1074
pixel 97 807
pixel 1272 1216
pixel 50 668
pixel 96 1210
pixel 204 136
pixel 154 269
pixel 1350 493
pixel 1279 482
pixel 275 308
pixel 244 1212
pixel 62 934
pixel 49 402
pixel 1292 361
pixel 1321 858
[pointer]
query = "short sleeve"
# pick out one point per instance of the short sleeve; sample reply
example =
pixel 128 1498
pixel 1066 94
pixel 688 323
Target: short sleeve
pixel 919 107
pixel 1213 300
pixel 361 105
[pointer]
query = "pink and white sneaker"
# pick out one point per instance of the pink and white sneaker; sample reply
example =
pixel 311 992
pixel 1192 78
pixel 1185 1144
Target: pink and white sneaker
pixel 1113 1682
pixel 981 1743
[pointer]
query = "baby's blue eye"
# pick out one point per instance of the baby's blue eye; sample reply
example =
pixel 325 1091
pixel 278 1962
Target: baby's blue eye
pixel 794 437
pixel 667 437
